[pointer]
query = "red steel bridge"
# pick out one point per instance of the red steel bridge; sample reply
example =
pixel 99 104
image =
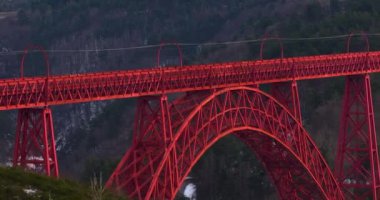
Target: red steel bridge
pixel 215 100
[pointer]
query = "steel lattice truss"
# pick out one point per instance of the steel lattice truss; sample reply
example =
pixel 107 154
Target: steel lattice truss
pixel 357 147
pixel 35 145
pixel 220 99
pixel 54 90
pixel 165 150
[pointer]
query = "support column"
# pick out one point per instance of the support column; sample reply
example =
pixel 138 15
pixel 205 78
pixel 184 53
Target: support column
pixel 152 134
pixel 357 162
pixel 35 144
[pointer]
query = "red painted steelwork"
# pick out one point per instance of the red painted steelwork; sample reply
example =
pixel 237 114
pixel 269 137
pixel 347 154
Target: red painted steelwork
pixel 66 89
pixel 364 36
pixel 47 64
pixel 35 144
pixel 280 169
pixel 357 163
pixel 169 140
pixel 287 94
pixel 264 39
pixel 166 44
pixel 45 57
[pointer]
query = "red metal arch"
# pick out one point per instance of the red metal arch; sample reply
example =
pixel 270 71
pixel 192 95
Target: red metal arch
pixel 157 171
pixel 365 38
pixel 266 38
pixel 44 54
pixel 167 44
pixel 47 65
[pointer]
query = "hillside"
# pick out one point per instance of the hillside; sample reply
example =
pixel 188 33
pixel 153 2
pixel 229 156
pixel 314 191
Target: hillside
pixel 16 184
pixel 94 136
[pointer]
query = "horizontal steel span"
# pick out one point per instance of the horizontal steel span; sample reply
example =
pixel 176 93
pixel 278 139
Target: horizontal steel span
pixel 66 89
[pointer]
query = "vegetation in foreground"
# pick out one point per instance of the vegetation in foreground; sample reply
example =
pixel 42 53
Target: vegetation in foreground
pixel 17 184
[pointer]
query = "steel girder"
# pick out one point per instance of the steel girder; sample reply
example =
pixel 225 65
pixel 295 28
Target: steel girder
pixel 357 163
pixel 163 155
pixel 20 93
pixel 35 144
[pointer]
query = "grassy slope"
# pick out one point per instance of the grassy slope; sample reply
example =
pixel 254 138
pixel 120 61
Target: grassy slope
pixel 14 181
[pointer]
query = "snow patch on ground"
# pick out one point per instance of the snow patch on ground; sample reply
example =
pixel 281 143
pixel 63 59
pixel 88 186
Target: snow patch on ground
pixel 9 164
pixel 30 191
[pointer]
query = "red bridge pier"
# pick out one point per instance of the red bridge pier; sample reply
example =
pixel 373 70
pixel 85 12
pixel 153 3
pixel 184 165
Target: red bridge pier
pixel 357 161
pixel 35 144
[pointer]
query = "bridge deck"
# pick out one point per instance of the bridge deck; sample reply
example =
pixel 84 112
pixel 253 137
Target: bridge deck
pixel 31 92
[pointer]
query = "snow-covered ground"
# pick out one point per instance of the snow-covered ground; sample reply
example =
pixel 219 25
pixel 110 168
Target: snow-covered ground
pixel 30 191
